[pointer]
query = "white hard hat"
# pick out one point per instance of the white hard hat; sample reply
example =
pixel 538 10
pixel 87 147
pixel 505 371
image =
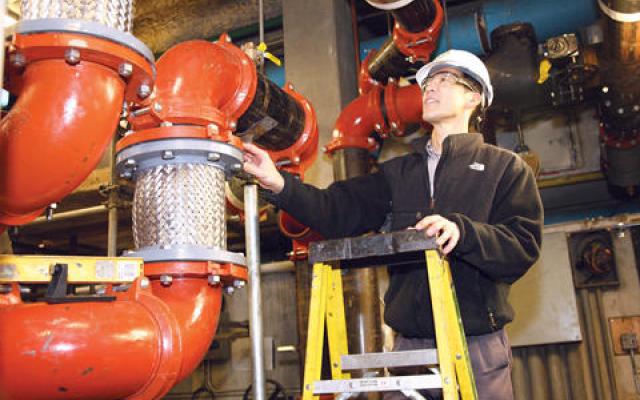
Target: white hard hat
pixel 466 62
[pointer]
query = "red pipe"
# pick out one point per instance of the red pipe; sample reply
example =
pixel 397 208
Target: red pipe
pixel 73 351
pixel 364 115
pixel 55 134
pixel 66 114
pixel 196 308
pixel 137 347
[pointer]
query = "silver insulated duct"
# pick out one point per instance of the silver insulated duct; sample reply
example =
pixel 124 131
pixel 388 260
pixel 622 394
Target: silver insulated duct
pixel 180 204
pixel 179 201
pixel 116 14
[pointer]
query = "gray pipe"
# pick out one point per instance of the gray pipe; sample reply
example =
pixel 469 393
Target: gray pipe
pixel 3 12
pixel 580 382
pixel 537 370
pixel 112 220
pixel 252 239
pixel 519 374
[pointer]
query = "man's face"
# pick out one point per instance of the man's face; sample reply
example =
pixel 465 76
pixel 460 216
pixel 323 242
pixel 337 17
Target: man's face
pixel 447 96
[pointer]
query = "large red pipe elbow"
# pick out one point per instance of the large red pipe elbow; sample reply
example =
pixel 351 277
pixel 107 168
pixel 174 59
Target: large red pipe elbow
pixel 383 110
pixel 71 351
pixel 149 342
pixel 70 90
pixel 196 308
pixel 55 134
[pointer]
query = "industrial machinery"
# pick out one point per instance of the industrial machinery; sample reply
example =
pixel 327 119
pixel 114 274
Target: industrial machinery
pixel 68 324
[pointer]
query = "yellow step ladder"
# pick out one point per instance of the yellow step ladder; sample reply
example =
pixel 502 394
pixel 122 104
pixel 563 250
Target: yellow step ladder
pixel 451 357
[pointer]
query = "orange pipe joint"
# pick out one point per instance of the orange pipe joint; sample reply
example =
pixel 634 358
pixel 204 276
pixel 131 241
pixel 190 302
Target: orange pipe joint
pixel 78 354
pixel 293 229
pixel 70 89
pixel 357 121
pixel 402 105
pixel 419 46
pixel 193 292
pixel 200 83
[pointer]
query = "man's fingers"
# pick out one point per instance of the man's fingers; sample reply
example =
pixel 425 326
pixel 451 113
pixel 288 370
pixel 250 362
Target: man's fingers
pixel 427 221
pixel 436 227
pixel 443 237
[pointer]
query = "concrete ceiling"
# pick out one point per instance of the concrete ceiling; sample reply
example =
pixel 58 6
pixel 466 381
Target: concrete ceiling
pixel 162 23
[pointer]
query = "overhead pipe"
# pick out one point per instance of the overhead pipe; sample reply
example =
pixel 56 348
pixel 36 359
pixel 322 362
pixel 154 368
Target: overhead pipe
pixel 385 110
pixel 469 25
pixel 415 33
pixel 70 77
pixel 619 102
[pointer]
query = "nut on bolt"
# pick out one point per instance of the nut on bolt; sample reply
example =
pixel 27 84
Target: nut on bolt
pixel 144 91
pixel 18 60
pixel 144 282
pixel 238 284
pixel 168 155
pixel 229 290
pixel 72 56
pixel 214 280
pixel 237 167
pixel 126 175
pixel 213 157
pixel 166 280
pixel 125 70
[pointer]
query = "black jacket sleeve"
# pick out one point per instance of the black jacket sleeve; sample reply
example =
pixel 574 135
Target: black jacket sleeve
pixel 346 208
pixel 506 247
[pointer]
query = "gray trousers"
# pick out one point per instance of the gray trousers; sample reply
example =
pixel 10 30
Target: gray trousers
pixel 491 362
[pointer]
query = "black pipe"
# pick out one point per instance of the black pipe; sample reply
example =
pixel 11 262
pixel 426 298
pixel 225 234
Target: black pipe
pixel 389 61
pixel 274 119
pixel 415 16
pixel 513 67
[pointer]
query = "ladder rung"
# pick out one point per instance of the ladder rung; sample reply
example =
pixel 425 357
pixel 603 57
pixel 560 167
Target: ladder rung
pixel 390 359
pixel 391 383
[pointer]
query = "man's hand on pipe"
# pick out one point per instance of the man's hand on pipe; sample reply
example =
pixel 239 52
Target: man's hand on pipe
pixel 258 163
pixel 446 232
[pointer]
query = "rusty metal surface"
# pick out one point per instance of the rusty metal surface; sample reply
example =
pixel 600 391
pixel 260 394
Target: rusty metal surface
pixel 162 23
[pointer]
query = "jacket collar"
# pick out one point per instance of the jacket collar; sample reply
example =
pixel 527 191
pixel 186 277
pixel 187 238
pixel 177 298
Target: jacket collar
pixel 458 143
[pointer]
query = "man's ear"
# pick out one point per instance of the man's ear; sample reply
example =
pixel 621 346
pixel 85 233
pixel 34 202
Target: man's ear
pixel 473 99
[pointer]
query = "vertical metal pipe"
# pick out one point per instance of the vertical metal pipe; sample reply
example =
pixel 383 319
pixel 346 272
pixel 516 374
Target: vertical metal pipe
pixel 557 373
pixel 599 349
pixel 519 375
pixel 588 331
pixel 3 13
pixel 602 321
pixel 252 239
pixel 362 303
pixel 579 381
pixel 538 373
pixel 261 19
pixel 360 285
pixel 112 204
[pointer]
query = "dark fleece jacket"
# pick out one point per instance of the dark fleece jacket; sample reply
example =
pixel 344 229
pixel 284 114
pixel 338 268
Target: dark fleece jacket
pixel 488 192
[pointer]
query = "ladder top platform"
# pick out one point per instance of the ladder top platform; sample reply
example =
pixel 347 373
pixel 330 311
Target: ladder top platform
pixel 393 248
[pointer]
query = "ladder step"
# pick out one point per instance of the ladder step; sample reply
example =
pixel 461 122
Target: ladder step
pixel 391 383
pixel 390 359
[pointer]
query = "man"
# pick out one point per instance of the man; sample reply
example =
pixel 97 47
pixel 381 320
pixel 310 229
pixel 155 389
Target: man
pixel 479 201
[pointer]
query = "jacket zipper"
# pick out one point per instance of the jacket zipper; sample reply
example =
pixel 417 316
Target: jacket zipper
pixel 432 196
